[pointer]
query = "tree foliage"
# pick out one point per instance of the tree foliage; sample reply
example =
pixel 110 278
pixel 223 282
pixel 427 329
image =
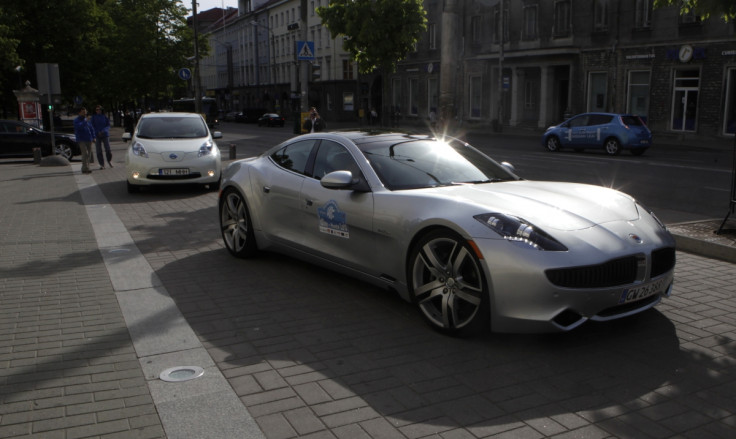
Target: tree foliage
pixel 108 51
pixel 377 33
pixel 725 9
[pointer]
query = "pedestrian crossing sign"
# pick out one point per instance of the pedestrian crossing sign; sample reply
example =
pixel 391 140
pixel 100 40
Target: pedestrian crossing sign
pixel 305 50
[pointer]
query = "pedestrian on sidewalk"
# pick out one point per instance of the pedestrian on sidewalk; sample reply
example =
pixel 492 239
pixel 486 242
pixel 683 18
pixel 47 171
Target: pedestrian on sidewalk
pixel 315 123
pixel 101 125
pixel 85 134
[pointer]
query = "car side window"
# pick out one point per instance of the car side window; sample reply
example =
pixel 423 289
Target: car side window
pixel 599 119
pixel 332 156
pixel 580 121
pixel 294 156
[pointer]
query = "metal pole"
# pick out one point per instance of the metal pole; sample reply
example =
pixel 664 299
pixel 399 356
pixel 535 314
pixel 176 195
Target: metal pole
pixel 197 83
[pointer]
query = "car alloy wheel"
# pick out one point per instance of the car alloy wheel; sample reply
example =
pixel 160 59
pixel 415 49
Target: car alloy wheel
pixel 613 147
pixel 235 225
pixel 553 144
pixel 448 285
pixel 63 150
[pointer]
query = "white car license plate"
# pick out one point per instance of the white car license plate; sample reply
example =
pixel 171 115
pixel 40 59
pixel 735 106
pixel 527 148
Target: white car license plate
pixel 173 171
pixel 641 292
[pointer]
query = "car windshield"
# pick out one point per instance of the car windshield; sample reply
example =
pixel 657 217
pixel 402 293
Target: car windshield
pixel 172 127
pixel 415 164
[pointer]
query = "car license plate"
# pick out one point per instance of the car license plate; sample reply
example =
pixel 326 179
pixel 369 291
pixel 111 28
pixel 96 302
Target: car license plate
pixel 173 171
pixel 641 292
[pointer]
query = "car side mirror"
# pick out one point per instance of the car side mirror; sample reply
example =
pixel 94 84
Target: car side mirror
pixel 127 136
pixel 509 167
pixel 217 135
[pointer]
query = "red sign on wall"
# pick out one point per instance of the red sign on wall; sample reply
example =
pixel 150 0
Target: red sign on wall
pixel 29 110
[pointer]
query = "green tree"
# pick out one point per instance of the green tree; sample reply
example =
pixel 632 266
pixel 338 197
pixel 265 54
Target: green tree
pixel 725 9
pixel 378 33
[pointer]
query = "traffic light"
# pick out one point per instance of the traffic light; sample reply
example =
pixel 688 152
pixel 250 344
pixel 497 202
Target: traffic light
pixel 51 107
pixel 316 71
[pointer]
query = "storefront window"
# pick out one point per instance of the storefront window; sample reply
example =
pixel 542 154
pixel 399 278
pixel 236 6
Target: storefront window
pixel 413 95
pixel 638 102
pixel 729 119
pixel 597 91
pixel 475 96
pixel 685 100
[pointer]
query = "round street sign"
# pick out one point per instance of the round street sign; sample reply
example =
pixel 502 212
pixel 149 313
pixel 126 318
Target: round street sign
pixel 185 74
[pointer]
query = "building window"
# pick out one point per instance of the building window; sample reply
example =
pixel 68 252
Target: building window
pixel 689 17
pixel 685 100
pixel 475 29
pixel 638 101
pixel 396 96
pixel 433 95
pixel 347 69
pixel 530 95
pixel 643 13
pixel 562 18
pixel 432 34
pixel 500 24
pixel 475 93
pixel 529 32
pixel 597 91
pixel 413 95
pixel 729 118
pixel 600 15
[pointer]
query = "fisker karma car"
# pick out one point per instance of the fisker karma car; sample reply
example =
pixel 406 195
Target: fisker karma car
pixel 471 244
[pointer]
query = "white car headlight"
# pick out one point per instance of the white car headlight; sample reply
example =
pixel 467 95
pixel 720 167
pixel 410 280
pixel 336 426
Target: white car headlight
pixel 139 150
pixel 520 231
pixel 205 149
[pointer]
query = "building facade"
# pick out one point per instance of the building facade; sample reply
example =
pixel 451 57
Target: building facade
pixel 535 62
pixel 254 64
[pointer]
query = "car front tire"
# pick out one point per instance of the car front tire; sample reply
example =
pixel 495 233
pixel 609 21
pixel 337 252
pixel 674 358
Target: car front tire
pixel 553 144
pixel 613 147
pixel 235 225
pixel 447 284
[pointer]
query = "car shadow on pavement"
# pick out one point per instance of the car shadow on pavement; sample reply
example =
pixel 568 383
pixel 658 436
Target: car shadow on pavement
pixel 290 335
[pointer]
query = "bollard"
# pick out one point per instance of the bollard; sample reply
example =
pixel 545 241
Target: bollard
pixel 36 155
pixel 232 151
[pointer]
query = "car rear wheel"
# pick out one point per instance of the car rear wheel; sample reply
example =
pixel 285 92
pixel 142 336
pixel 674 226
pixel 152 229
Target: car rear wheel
pixel 447 284
pixel 237 230
pixel 64 150
pixel 613 147
pixel 553 144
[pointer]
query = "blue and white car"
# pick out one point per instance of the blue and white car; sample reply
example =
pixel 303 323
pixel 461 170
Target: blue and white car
pixel 609 131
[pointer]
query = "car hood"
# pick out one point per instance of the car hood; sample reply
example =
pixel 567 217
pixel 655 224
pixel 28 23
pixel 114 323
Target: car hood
pixel 556 205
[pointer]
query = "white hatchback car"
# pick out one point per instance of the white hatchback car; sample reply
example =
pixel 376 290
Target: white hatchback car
pixel 172 148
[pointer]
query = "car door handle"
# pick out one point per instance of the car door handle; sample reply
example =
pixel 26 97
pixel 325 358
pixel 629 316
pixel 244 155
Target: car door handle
pixel 309 203
pixel 266 189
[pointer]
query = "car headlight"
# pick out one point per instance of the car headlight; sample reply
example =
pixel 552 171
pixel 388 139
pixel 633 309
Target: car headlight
pixel 205 149
pixel 520 231
pixel 139 150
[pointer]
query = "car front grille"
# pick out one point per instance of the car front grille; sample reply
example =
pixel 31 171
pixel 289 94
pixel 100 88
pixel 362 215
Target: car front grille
pixel 622 271
pixel 609 274
pixel 174 177
pixel 663 260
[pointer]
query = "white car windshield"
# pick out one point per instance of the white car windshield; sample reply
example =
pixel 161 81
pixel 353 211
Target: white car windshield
pixel 172 127
pixel 415 164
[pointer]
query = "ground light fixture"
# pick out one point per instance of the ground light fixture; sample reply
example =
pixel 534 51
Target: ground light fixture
pixel 179 374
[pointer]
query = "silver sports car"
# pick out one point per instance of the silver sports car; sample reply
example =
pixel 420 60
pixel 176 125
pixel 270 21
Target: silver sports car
pixel 474 246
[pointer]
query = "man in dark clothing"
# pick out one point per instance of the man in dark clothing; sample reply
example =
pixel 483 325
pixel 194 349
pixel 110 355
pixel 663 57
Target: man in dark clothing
pixel 315 123
pixel 85 134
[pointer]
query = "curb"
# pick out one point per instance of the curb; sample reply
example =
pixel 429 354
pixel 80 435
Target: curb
pixel 700 238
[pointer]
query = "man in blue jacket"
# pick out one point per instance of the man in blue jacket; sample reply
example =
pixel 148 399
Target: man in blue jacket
pixel 101 125
pixel 85 134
